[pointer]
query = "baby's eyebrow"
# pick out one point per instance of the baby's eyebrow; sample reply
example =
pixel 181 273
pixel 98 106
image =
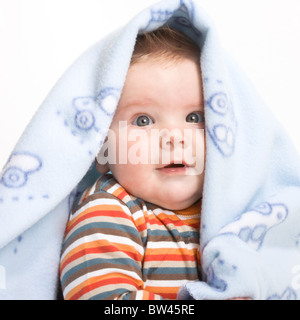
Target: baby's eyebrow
pixel 140 103
pixel 133 107
pixel 136 107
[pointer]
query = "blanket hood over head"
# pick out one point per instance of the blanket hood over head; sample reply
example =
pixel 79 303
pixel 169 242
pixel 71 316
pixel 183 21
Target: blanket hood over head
pixel 250 233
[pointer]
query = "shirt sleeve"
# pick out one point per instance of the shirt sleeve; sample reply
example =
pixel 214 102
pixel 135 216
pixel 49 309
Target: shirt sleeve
pixel 102 253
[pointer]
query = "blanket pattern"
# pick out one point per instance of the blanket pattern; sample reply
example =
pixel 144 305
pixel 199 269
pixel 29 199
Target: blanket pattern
pixel 250 232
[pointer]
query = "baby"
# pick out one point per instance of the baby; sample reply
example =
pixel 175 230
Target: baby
pixel 135 233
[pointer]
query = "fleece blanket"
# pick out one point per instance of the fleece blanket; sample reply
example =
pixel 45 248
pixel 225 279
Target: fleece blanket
pixel 250 232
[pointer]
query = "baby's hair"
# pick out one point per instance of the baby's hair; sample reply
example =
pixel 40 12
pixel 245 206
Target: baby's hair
pixel 164 43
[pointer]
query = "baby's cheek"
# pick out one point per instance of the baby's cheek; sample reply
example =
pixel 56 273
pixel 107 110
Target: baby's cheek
pixel 134 179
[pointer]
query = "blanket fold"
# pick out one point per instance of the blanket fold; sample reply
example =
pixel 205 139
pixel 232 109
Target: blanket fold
pixel 250 232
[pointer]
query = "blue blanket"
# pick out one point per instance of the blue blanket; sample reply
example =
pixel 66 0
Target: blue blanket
pixel 250 232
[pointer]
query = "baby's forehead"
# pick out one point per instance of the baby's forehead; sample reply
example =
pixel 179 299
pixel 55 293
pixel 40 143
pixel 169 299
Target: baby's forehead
pixel 164 86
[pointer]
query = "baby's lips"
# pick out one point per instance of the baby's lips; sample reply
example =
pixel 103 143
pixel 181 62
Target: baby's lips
pixel 176 164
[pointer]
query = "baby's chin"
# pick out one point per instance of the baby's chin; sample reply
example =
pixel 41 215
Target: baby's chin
pixel 178 207
pixel 170 194
pixel 175 202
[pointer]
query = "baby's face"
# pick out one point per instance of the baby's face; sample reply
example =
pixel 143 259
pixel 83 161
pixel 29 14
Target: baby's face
pixel 156 142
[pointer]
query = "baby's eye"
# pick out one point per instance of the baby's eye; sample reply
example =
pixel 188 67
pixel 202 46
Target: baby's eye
pixel 195 117
pixel 142 121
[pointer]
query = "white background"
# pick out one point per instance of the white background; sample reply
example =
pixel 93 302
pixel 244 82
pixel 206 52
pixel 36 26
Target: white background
pixel 39 39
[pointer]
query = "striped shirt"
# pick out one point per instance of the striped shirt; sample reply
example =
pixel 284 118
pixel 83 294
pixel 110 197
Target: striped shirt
pixel 119 247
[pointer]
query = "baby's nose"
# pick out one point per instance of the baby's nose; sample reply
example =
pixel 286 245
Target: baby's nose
pixel 170 139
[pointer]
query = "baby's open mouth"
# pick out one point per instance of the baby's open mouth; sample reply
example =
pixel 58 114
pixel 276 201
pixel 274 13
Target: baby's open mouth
pixel 174 168
pixel 175 165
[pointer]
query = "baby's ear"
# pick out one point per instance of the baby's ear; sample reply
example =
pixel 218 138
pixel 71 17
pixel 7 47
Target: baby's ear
pixel 101 168
pixel 101 162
